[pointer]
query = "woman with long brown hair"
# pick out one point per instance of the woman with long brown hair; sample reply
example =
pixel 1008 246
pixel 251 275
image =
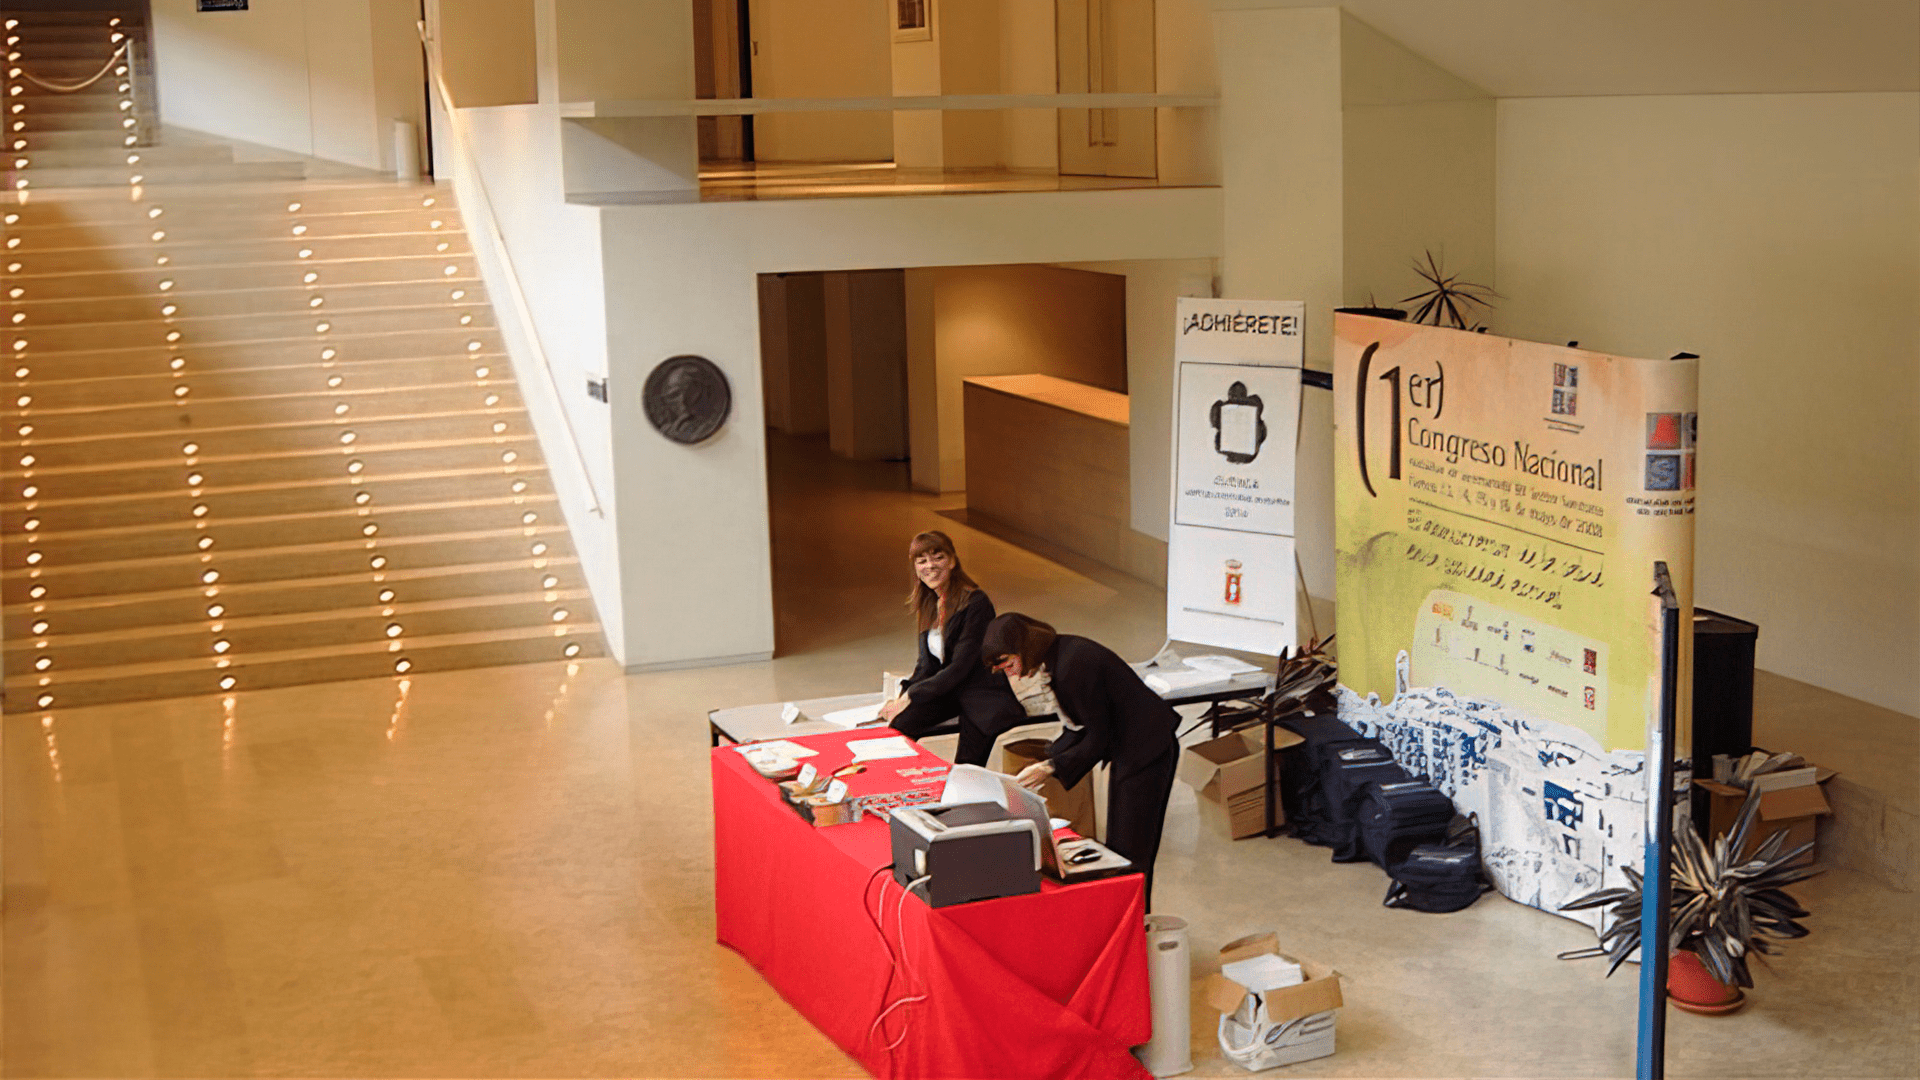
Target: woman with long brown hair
pixel 1109 714
pixel 949 680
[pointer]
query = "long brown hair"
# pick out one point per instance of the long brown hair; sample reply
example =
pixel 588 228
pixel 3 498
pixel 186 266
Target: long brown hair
pixel 924 602
pixel 1014 634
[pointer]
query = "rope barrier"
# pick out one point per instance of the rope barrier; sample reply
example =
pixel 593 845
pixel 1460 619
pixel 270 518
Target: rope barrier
pixel 72 88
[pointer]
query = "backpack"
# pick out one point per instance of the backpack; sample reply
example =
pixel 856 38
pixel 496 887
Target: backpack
pixel 1394 817
pixel 1307 813
pixel 1346 767
pixel 1441 877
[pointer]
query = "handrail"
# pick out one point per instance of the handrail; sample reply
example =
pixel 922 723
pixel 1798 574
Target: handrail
pixel 492 229
pixel 74 88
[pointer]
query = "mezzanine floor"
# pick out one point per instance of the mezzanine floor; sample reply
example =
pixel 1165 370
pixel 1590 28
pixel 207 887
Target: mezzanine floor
pixel 506 872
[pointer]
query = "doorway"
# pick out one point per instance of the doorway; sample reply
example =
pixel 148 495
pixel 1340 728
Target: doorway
pixel 1106 47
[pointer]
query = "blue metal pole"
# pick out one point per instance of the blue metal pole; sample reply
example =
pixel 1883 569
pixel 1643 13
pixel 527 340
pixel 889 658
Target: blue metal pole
pixel 1656 898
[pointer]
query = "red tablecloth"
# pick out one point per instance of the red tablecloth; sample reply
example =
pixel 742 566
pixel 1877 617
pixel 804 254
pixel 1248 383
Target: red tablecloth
pixel 1052 984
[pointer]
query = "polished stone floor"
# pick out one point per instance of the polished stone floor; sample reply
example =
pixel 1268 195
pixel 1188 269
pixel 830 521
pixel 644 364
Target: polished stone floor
pixel 506 872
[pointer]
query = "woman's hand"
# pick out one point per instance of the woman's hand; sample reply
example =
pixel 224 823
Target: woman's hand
pixel 893 708
pixel 1034 775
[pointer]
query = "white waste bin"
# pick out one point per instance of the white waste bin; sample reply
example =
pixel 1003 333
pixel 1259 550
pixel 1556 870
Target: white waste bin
pixel 1170 978
pixel 406 151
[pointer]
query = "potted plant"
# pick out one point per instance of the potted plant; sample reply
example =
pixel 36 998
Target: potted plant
pixel 1724 907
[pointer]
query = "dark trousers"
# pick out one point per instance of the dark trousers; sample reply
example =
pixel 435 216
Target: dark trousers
pixel 1137 811
pixel 986 712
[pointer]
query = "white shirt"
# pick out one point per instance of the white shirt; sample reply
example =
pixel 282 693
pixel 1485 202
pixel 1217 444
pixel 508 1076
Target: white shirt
pixel 937 644
pixel 1035 693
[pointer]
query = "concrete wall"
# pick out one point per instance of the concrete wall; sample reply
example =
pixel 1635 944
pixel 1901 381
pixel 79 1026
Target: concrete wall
pixel 866 346
pixel 1779 237
pixel 1343 156
pixel 823 49
pixel 1153 288
pixel 793 352
pixel 1417 166
pixel 1005 320
pixel 694 556
pixel 1281 166
pixel 487 51
pixel 324 78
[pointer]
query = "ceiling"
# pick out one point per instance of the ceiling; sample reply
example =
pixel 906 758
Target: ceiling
pixel 1587 48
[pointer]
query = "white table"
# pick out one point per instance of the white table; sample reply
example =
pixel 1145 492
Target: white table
pixel 753 723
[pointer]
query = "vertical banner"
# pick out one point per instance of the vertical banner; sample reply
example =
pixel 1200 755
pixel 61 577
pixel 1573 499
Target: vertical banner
pixel 1500 505
pixel 1236 402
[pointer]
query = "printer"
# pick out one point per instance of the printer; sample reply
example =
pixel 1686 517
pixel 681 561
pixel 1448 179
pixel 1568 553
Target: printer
pixel 984 839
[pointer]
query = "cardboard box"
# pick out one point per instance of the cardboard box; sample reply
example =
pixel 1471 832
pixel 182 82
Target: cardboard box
pixel 1075 804
pixel 1319 993
pixel 1796 808
pixel 1229 776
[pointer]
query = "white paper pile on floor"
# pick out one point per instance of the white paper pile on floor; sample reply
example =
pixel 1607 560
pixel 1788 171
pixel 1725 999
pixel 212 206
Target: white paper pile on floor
pixel 1558 815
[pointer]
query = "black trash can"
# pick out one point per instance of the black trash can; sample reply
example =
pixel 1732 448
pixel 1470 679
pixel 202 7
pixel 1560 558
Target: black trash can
pixel 1723 648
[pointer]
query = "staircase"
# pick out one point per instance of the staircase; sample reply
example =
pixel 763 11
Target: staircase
pixel 261 430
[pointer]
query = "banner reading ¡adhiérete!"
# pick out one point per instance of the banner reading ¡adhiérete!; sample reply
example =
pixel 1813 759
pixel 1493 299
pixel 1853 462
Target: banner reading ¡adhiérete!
pixel 1236 401
pixel 1500 505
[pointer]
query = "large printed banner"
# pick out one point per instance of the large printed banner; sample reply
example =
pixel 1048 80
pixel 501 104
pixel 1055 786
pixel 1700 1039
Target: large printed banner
pixel 1500 505
pixel 1230 574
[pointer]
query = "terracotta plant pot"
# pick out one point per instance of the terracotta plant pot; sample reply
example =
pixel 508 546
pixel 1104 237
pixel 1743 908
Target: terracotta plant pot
pixel 1692 987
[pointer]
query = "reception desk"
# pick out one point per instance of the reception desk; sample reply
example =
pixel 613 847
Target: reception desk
pixel 1049 457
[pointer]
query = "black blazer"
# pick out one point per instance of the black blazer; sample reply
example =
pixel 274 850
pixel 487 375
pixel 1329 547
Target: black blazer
pixel 961 636
pixel 1121 719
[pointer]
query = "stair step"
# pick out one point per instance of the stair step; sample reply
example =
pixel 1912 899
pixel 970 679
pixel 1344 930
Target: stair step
pixel 287 296
pixel 147 281
pixel 367 622
pixel 130 610
pixel 190 331
pixel 66 140
pixel 341 348
pixel 453 377
pixel 162 174
pixel 114 155
pixel 263 567
pixel 184 253
pixel 61 510
pixel 280 467
pixel 193 223
pixel 187 678
pixel 347 438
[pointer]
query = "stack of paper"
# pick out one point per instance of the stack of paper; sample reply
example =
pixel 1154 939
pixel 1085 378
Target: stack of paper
pixel 854 717
pixel 1220 665
pixel 895 746
pixel 1168 682
pixel 1265 972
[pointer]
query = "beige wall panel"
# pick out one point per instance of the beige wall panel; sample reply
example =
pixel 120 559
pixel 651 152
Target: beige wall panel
pixel 487 51
pixel 1006 320
pixel 1281 167
pixel 822 49
pixel 1778 236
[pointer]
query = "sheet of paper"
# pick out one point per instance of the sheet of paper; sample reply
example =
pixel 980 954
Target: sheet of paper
pixel 854 717
pixel 895 746
pixel 1263 973
pixel 1220 665
pixel 1167 682
pixel 775 746
pixel 972 784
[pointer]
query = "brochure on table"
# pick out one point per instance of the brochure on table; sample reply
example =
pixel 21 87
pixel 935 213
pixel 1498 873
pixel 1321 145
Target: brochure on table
pixel 1499 508
pixel 1230 568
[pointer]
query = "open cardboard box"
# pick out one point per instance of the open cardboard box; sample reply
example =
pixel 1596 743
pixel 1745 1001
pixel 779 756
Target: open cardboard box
pixel 1319 993
pixel 1229 775
pixel 1796 809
